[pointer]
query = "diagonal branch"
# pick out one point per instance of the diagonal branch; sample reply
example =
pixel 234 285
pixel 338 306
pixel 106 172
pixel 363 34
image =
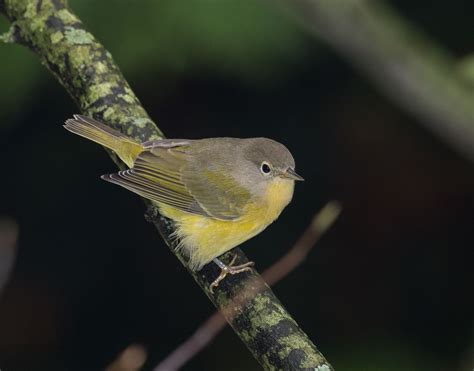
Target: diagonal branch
pixel 132 358
pixel 89 74
pixel 207 332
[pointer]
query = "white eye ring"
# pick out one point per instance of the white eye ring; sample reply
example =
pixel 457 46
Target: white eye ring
pixel 265 168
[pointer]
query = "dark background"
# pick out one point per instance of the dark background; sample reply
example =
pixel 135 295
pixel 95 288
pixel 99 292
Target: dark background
pixel 388 288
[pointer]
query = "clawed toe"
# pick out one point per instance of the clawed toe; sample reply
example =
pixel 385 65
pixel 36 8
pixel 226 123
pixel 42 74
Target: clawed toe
pixel 229 269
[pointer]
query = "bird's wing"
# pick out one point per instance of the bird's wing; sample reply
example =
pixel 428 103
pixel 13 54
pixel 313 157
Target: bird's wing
pixel 156 175
pixel 218 193
pixel 163 174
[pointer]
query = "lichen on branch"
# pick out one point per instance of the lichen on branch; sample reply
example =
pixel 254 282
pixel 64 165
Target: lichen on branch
pixel 80 63
pixel 89 74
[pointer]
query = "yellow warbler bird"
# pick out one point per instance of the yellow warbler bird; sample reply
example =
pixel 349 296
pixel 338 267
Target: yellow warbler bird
pixel 220 192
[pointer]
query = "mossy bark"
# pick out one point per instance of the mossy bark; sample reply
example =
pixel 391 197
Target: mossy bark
pixel 87 71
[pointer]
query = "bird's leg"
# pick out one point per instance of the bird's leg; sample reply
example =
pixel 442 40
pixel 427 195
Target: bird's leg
pixel 229 269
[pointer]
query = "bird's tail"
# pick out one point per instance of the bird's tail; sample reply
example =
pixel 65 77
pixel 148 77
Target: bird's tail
pixel 127 149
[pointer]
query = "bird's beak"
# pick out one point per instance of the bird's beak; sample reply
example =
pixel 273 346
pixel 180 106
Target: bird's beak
pixel 291 174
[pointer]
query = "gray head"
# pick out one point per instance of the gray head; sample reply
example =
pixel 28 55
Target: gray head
pixel 272 159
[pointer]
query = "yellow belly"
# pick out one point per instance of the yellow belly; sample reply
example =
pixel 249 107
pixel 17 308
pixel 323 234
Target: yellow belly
pixel 203 238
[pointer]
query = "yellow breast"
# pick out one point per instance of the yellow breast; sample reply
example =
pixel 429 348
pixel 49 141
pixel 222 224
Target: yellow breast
pixel 203 238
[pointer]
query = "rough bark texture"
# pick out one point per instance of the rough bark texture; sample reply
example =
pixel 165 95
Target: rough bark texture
pixel 89 74
pixel 407 66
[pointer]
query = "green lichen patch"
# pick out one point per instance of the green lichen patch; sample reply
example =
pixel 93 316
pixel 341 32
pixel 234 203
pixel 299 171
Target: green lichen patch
pixel 141 122
pixel 101 67
pixel 95 82
pixel 67 17
pixel 79 57
pixel 107 113
pixel 56 37
pixel 9 36
pixel 129 99
pixel 323 368
pixel 100 90
pixel 31 9
pixel 78 36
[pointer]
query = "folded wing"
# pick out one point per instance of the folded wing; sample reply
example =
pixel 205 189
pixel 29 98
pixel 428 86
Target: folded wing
pixel 168 175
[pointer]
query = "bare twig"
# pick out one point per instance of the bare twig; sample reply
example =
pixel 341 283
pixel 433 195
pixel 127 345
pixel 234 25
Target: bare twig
pixel 321 222
pixel 89 74
pixel 206 333
pixel 131 359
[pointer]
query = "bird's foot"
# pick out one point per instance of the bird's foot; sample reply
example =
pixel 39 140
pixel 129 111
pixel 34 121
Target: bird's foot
pixel 229 269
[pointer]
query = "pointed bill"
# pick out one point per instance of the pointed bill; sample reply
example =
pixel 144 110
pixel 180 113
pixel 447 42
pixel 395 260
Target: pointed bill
pixel 292 174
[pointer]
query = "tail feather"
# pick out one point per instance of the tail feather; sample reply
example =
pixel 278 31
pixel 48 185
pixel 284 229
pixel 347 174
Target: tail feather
pixel 126 148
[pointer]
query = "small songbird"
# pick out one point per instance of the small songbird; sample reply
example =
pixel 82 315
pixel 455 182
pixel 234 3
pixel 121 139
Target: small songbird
pixel 219 192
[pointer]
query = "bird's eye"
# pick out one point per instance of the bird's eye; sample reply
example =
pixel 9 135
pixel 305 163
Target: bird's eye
pixel 265 168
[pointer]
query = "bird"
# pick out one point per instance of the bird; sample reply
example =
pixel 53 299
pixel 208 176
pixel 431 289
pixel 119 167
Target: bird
pixel 219 192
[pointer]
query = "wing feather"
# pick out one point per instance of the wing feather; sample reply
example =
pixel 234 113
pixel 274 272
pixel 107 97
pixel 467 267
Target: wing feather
pixel 145 189
pixel 168 174
pixel 157 176
pixel 218 193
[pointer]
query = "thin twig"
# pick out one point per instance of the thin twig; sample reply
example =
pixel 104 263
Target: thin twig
pixel 132 358
pixel 206 333
pixel 88 72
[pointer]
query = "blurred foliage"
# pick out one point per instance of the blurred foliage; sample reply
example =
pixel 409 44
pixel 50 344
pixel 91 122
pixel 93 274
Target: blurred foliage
pixel 21 73
pixel 250 41
pixel 245 39
pixel 92 277
pixel 383 355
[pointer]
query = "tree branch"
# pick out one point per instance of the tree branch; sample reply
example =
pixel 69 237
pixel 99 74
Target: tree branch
pixel 206 333
pixel 132 358
pixel 412 70
pixel 88 73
